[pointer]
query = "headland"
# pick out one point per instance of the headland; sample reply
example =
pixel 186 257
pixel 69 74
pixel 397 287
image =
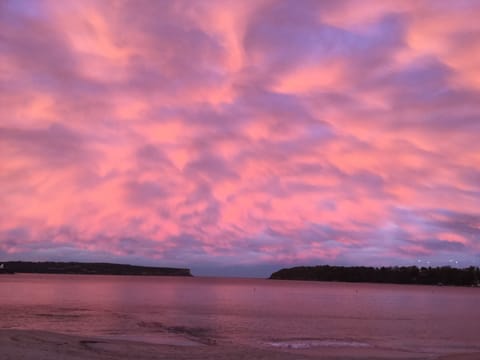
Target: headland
pixel 89 269
pixel 444 275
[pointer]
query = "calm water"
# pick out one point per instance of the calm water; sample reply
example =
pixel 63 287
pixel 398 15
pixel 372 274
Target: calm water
pixel 246 311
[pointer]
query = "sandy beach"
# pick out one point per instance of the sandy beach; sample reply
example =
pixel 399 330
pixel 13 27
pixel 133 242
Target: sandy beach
pixel 40 345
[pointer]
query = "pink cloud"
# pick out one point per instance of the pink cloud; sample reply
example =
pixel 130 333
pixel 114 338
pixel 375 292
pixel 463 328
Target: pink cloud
pixel 240 133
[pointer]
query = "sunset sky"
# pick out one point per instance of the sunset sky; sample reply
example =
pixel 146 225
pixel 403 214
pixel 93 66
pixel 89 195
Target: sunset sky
pixel 236 137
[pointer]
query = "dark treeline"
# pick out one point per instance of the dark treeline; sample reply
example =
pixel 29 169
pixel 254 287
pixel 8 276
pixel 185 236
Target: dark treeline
pixel 88 268
pixel 444 275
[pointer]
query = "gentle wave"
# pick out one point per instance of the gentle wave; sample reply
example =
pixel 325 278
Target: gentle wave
pixel 309 343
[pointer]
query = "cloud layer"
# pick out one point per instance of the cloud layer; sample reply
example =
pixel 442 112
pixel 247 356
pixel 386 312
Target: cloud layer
pixel 240 133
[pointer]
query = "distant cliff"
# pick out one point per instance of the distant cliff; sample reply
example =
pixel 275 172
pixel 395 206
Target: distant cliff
pixel 395 275
pixel 90 268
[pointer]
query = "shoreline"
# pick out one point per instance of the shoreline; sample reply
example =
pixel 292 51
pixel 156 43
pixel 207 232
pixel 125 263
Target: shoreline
pixel 43 345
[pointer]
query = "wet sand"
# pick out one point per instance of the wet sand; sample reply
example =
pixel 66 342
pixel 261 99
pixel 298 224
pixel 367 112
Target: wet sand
pixel 40 345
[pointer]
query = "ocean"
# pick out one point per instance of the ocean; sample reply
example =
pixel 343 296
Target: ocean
pixel 252 312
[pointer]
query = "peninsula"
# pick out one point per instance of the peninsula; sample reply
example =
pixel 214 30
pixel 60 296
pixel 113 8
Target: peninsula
pixel 444 275
pixel 89 268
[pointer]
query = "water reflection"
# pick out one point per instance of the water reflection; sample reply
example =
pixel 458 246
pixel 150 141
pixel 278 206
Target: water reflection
pixel 242 310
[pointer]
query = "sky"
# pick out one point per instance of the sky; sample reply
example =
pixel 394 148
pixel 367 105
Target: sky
pixel 238 137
